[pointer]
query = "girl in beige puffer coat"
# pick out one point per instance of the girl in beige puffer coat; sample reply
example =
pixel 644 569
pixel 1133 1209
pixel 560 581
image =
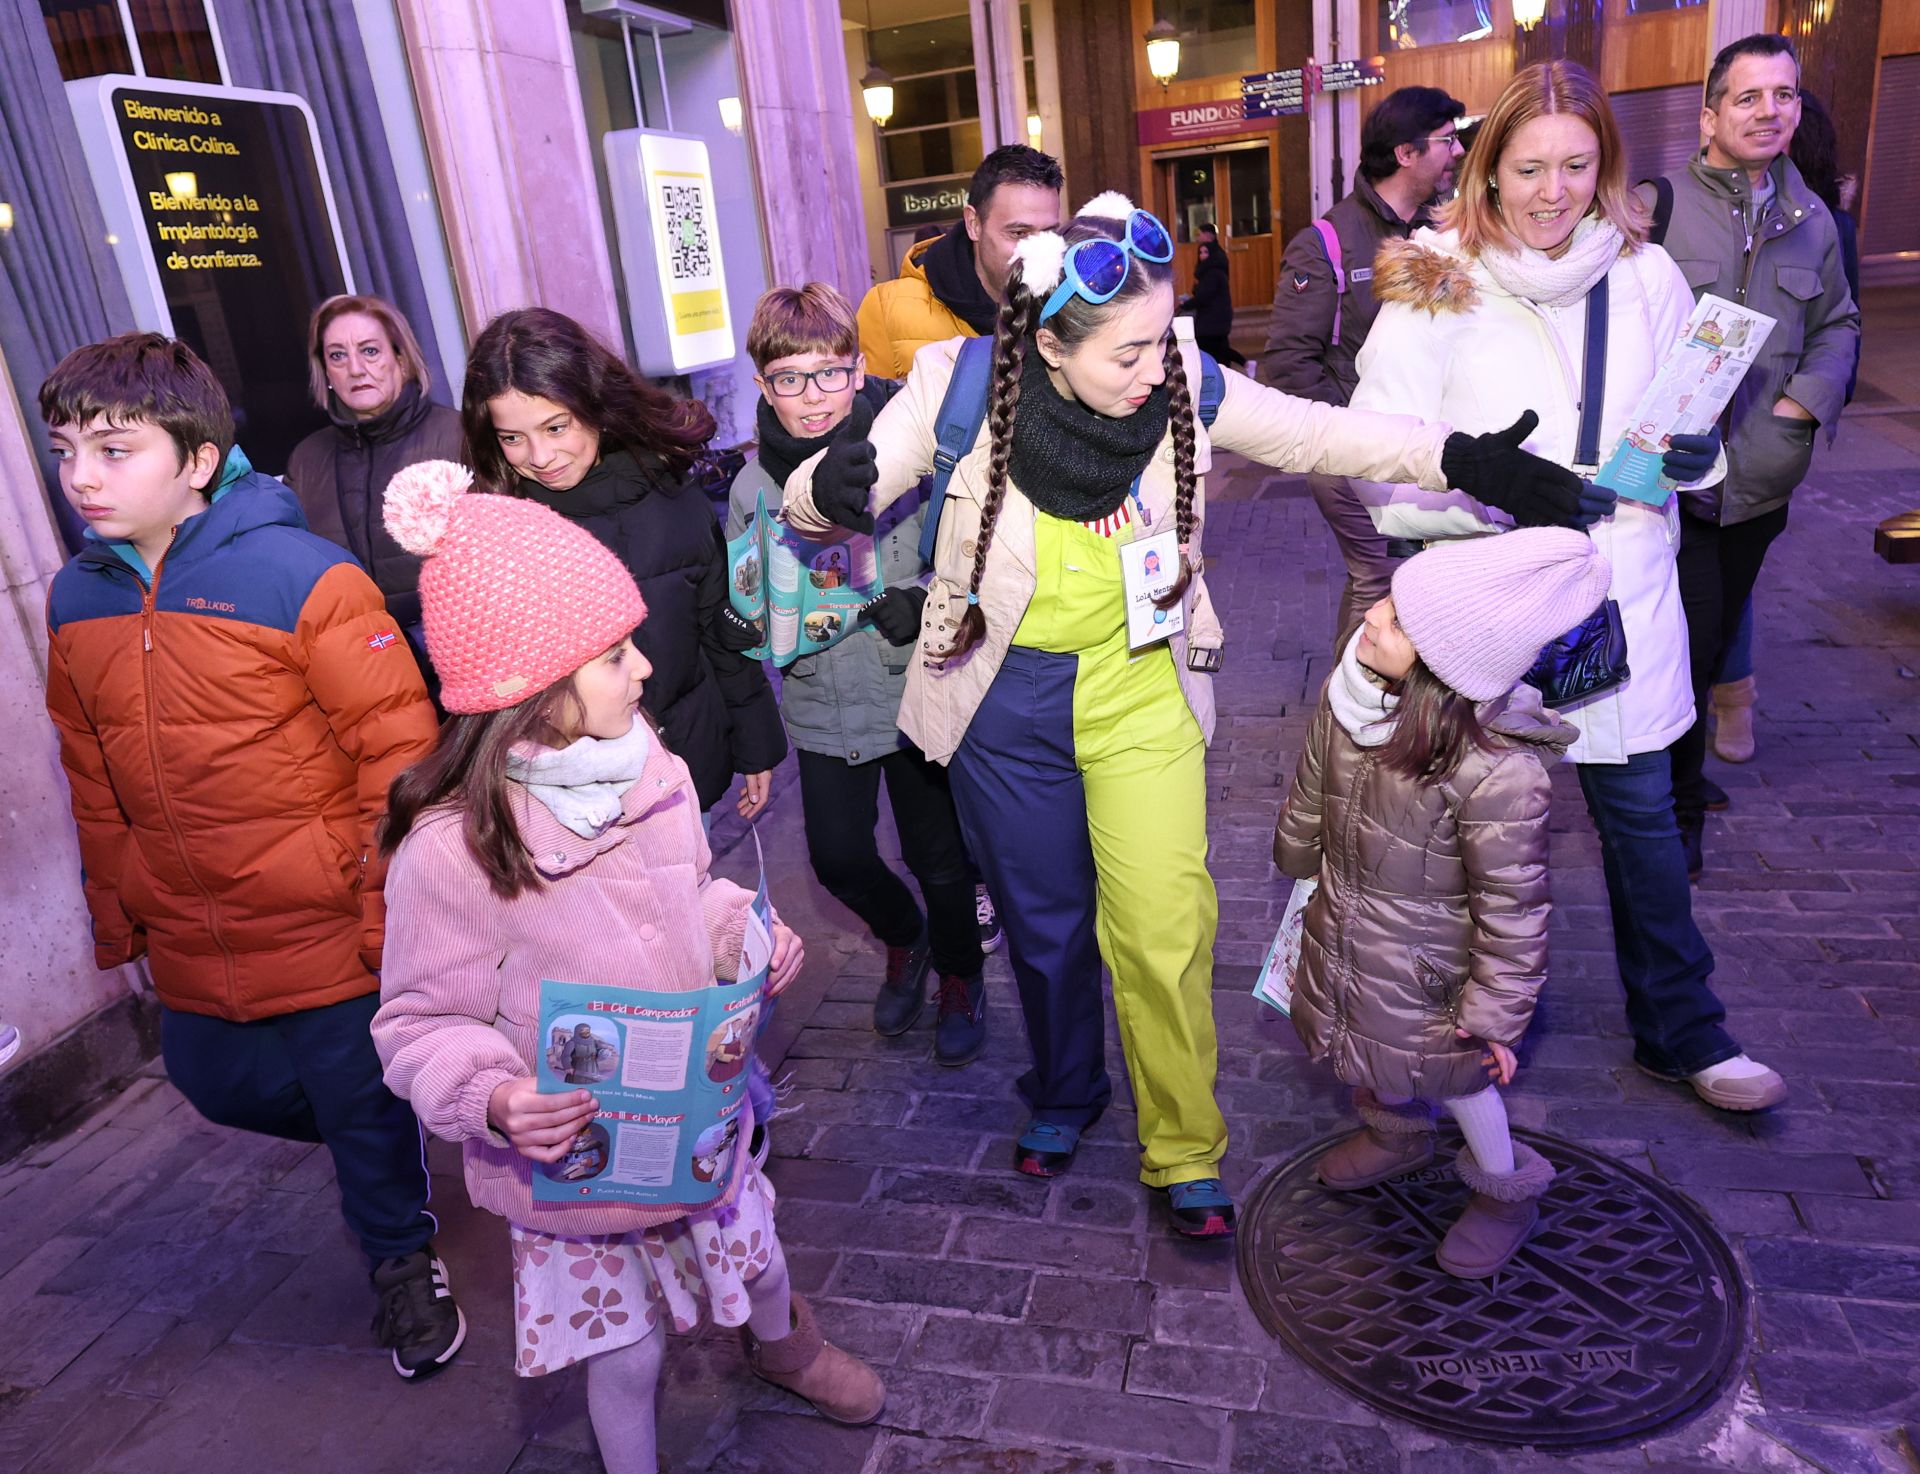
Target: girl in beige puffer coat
pixel 1420 804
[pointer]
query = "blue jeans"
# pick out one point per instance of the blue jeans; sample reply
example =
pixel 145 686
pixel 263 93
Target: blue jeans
pixel 1664 962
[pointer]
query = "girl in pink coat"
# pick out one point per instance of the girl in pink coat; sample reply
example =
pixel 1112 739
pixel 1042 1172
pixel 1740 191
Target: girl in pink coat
pixel 552 835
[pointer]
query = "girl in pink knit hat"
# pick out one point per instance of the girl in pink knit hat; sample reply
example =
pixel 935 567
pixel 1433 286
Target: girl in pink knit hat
pixel 551 834
pixel 1420 805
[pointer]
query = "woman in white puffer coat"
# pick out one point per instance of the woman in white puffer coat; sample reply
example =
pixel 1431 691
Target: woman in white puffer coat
pixel 1484 318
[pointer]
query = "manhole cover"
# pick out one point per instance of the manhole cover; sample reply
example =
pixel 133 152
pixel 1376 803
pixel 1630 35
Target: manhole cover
pixel 1624 1314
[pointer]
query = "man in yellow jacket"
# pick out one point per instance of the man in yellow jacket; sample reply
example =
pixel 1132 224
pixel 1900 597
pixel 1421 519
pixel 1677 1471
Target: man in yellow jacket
pixel 952 285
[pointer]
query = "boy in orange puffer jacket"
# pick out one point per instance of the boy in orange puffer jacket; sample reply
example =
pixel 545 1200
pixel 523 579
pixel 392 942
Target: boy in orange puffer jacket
pixel 232 700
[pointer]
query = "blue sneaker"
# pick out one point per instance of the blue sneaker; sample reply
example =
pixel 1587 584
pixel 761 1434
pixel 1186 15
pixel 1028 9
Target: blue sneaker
pixel 1046 1148
pixel 1200 1209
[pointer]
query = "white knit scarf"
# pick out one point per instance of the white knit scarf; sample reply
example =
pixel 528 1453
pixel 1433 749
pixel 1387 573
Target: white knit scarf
pixel 583 783
pixel 1359 702
pixel 1554 281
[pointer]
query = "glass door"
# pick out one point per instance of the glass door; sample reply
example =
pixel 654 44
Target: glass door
pixel 1230 189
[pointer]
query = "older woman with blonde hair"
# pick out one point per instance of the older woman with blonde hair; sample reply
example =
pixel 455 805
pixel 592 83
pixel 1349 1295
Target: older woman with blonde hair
pixel 1537 291
pixel 371 378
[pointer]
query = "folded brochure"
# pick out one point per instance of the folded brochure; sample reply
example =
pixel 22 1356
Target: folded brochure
pixel 1692 387
pixel 669 1070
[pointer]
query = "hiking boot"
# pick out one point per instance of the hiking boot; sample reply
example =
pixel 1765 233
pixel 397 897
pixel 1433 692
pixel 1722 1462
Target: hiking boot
pixel 1693 841
pixel 1737 1084
pixel 961 1032
pixel 1717 800
pixel 1731 703
pixel 1046 1148
pixel 1200 1209
pixel 1395 1139
pixel 841 1386
pixel 417 1319
pixel 904 993
pixel 1498 1217
pixel 991 932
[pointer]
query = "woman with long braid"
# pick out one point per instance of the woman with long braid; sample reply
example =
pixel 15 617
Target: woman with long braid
pixel 1077 758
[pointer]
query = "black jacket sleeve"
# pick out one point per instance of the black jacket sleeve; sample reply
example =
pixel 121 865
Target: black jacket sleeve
pixel 1301 329
pixel 759 741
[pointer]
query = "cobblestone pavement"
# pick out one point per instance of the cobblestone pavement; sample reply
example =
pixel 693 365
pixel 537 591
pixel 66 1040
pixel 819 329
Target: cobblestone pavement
pixel 178 1297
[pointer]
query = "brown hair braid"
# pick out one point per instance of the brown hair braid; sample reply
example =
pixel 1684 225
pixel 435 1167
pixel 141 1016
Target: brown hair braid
pixel 1180 417
pixel 1012 331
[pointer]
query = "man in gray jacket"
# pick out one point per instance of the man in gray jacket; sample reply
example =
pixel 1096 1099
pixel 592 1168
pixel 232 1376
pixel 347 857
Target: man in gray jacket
pixel 1746 226
pixel 1321 315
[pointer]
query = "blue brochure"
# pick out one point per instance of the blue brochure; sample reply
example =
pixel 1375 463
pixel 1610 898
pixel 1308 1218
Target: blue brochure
pixel 670 1072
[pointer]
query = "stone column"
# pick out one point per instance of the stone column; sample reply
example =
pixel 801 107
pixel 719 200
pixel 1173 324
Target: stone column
pixel 1098 50
pixel 1839 64
pixel 512 161
pixel 1001 72
pixel 80 1025
pixel 1569 32
pixel 799 105
pixel 1729 20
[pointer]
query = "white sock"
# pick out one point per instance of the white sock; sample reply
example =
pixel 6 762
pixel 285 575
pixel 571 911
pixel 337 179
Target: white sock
pixel 1737 1068
pixel 1482 1119
pixel 770 1301
pixel 620 1389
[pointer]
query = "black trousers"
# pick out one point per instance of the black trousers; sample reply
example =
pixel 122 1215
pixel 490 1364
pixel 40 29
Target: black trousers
pixel 314 1076
pixel 1222 350
pixel 1718 567
pixel 841 805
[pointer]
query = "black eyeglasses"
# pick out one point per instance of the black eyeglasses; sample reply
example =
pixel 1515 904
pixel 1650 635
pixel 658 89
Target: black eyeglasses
pixel 791 383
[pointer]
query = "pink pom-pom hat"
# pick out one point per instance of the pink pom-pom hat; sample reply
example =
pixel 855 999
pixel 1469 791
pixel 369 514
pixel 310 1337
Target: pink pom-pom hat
pixel 515 597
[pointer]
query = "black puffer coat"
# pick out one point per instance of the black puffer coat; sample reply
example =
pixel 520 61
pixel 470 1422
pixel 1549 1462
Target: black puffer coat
pixel 714 706
pixel 1433 902
pixel 1212 300
pixel 340 475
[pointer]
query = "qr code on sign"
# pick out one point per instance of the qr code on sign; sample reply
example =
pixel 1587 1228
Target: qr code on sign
pixel 691 255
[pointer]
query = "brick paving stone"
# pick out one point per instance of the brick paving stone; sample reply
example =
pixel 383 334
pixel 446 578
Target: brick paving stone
pixel 1196 1375
pixel 1177 1434
pixel 1043 1352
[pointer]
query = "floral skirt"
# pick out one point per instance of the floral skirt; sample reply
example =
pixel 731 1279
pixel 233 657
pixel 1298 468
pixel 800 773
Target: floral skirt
pixel 576 1297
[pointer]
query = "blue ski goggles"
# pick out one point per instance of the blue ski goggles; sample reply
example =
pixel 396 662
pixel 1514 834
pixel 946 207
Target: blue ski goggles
pixel 1096 269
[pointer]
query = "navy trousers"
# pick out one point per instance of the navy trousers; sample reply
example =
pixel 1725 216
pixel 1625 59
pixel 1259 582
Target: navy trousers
pixel 314 1076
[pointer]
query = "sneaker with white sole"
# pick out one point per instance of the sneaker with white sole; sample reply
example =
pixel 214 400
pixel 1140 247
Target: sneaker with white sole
pixel 992 934
pixel 1737 1084
pixel 9 1042
pixel 417 1319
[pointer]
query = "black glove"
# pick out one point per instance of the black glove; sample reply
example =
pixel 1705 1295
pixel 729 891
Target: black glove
pixel 1534 492
pixel 846 473
pixel 1689 457
pixel 896 613
pixel 735 631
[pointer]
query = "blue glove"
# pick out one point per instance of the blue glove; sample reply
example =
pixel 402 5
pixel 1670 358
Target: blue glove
pixel 1689 457
pixel 1595 502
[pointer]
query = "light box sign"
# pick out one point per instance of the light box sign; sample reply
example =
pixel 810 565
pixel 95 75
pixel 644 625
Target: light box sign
pixel 221 218
pixel 670 259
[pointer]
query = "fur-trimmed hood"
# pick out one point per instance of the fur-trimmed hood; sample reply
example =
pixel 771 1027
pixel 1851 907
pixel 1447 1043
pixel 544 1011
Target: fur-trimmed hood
pixel 1423 272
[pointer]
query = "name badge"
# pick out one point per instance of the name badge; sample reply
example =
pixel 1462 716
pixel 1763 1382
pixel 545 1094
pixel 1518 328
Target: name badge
pixel 1149 566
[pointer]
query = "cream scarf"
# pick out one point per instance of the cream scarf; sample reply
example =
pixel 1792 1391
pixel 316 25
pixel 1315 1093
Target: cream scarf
pixel 1554 281
pixel 1360 704
pixel 583 784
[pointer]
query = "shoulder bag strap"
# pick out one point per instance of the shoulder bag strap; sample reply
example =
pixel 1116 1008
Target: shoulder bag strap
pixel 1330 242
pixel 1593 381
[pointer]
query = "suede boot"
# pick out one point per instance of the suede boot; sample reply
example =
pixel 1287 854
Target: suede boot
pixel 1498 1217
pixel 1732 707
pixel 1395 1139
pixel 842 1387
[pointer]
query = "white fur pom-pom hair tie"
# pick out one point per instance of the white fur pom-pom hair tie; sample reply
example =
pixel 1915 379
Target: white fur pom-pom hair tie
pixel 1041 260
pixel 1108 205
pixel 419 503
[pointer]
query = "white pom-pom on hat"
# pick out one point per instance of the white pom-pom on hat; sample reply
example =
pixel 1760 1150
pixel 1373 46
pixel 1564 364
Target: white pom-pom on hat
pixel 419 503
pixel 1041 260
pixel 1109 205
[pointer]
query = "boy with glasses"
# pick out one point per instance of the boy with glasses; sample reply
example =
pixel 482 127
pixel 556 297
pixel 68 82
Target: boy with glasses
pixel 1323 302
pixel 841 706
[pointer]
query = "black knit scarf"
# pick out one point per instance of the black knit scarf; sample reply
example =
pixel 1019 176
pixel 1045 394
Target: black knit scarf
pixel 1071 462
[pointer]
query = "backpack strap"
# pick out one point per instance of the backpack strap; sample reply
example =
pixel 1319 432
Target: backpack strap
pixel 1213 389
pixel 963 410
pixel 1662 209
pixel 1330 241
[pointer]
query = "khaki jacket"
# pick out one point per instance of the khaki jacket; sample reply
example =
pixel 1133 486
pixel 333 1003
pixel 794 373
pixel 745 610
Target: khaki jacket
pixel 1262 424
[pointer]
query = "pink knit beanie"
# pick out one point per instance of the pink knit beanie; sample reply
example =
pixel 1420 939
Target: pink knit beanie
pixel 515 596
pixel 1478 611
